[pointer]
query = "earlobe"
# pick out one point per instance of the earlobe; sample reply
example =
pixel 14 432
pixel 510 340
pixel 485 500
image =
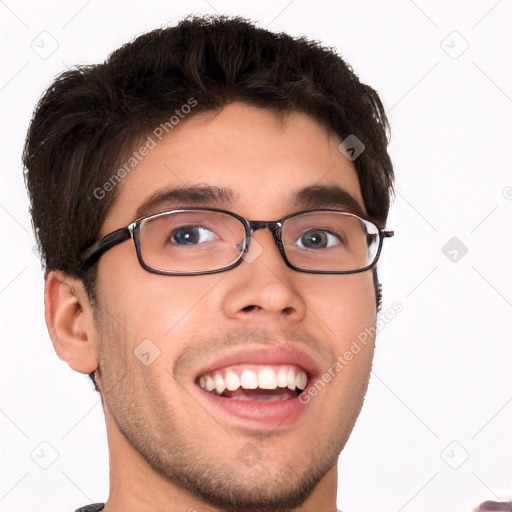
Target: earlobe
pixel 70 321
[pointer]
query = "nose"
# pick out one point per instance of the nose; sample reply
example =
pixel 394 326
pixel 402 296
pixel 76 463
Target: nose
pixel 263 286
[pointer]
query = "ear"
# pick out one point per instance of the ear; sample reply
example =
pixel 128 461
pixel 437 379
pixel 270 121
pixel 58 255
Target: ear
pixel 70 321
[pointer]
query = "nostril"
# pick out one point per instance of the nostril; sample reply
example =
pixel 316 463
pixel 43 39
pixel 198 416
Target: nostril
pixel 250 308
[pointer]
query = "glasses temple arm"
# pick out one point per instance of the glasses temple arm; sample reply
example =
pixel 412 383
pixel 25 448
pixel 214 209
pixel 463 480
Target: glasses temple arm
pixel 92 254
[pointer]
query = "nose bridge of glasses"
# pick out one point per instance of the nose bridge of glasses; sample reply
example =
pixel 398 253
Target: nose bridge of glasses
pixel 261 224
pixel 272 226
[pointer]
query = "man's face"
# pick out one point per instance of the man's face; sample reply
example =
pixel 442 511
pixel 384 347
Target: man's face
pixel 255 448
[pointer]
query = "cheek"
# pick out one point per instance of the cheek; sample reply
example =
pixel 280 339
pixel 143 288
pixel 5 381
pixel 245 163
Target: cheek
pixel 146 304
pixel 345 304
pixel 347 312
pixel 159 314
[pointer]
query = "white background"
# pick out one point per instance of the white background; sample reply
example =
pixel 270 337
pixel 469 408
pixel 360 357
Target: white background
pixel 441 389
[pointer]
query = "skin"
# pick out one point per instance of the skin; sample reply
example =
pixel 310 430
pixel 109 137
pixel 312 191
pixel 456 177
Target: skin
pixel 157 430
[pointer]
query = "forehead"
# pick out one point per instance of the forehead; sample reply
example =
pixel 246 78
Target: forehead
pixel 259 163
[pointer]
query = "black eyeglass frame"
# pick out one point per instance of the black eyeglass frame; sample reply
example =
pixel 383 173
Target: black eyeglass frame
pixel 92 254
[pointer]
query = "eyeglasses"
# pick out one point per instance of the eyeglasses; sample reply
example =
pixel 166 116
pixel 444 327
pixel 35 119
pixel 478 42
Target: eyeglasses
pixel 205 241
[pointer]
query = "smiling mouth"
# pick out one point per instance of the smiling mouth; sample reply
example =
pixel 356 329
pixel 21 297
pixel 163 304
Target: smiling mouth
pixel 255 382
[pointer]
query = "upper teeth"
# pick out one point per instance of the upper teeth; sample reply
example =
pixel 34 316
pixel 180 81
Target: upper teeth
pixel 255 376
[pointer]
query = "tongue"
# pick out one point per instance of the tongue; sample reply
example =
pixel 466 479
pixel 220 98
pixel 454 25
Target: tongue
pixel 260 394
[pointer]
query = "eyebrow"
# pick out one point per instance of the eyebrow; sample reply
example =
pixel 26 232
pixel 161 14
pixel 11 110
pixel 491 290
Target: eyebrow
pixel 311 197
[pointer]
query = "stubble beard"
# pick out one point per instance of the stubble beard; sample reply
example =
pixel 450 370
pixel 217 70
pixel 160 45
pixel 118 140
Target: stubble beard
pixel 175 452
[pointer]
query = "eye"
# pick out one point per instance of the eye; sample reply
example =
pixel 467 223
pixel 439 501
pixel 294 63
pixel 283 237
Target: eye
pixel 318 239
pixel 191 235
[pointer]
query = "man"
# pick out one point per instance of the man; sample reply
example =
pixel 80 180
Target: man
pixel 210 204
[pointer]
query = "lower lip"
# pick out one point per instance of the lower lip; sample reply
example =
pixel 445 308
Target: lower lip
pixel 262 413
